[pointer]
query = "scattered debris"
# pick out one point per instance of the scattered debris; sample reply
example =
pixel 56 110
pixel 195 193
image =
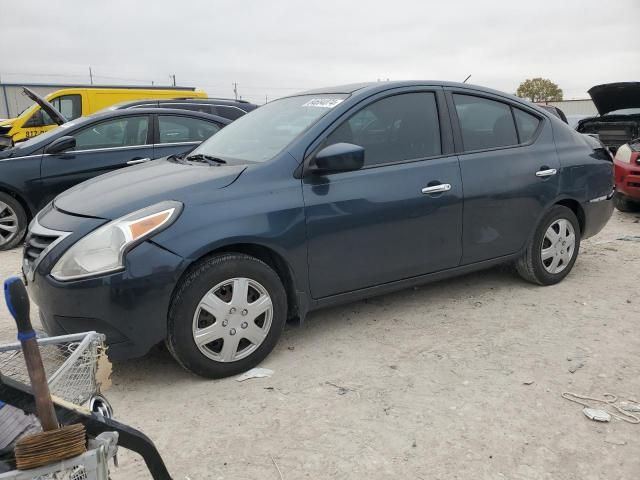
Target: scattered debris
pixel 575 367
pixel 255 373
pixel 414 444
pixel 630 238
pixel 393 367
pixel 341 390
pixel 277 467
pixel 601 415
pixel 597 415
pixel 291 347
pixel 630 406
pixel 615 441
pixel 528 382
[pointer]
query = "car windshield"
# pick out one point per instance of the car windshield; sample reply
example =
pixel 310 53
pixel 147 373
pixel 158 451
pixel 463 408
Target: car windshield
pixel 266 131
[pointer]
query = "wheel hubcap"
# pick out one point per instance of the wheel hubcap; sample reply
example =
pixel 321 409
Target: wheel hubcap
pixel 8 223
pixel 232 319
pixel 558 246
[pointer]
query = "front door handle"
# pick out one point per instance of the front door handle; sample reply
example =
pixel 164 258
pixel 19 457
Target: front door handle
pixel 546 173
pixel 442 187
pixel 136 161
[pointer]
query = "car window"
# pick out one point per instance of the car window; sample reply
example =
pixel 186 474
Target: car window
pixel 185 129
pixel 484 123
pixel 69 105
pixel 527 124
pixel 119 132
pixel 231 113
pixel 402 127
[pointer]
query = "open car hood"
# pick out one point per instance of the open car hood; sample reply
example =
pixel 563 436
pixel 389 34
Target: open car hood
pixel 55 115
pixel 615 96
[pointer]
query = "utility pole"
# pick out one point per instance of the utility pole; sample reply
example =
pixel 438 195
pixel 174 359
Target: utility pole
pixel 266 99
pixel 235 90
pixel 90 75
pixel 173 79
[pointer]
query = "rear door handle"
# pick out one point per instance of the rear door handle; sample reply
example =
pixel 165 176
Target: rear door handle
pixel 546 173
pixel 443 187
pixel 136 161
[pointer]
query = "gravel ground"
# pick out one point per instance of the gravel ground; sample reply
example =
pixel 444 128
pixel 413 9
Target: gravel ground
pixel 458 379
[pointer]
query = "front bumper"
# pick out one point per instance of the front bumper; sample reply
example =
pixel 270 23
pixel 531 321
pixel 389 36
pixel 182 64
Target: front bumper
pixel 627 177
pixel 130 307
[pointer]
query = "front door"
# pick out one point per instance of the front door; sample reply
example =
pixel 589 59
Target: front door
pixel 510 174
pixel 398 217
pixel 100 148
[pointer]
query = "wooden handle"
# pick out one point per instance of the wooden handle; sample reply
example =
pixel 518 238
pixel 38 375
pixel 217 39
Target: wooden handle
pixel 18 303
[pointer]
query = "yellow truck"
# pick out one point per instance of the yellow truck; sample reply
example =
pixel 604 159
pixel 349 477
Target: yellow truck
pixel 79 102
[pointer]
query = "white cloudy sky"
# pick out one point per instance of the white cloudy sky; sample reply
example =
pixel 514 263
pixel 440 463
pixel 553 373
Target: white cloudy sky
pixel 273 48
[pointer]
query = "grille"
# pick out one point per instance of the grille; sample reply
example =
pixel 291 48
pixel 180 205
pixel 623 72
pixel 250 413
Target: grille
pixel 35 245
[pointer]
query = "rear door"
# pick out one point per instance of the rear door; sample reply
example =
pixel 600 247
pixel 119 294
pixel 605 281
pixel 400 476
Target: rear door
pixel 509 170
pixel 398 217
pixel 100 148
pixel 176 134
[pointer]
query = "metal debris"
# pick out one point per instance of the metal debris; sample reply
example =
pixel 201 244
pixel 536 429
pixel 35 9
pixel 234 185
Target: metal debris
pixel 255 373
pixel 596 415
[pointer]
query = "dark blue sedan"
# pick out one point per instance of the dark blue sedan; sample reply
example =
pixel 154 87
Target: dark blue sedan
pixel 320 198
pixel 33 172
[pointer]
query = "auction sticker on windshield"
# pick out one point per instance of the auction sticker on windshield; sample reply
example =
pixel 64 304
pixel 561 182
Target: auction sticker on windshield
pixel 323 102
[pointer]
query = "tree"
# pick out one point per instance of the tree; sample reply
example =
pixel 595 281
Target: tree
pixel 539 90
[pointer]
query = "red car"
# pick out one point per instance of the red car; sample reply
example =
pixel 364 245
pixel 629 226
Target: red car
pixel 627 174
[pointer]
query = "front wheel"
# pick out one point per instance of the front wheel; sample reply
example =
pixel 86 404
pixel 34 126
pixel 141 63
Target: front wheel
pixel 226 315
pixel 13 222
pixel 553 248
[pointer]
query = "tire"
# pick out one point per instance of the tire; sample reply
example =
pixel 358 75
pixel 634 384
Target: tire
pixel 205 305
pixel 13 222
pixel 531 265
pixel 624 204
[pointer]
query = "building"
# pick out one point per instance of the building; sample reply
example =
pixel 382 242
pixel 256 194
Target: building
pixel 576 107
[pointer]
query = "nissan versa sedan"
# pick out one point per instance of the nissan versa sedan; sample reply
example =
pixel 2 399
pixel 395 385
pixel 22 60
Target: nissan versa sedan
pixel 323 197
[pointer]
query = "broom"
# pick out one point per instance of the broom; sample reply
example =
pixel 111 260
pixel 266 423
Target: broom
pixel 53 443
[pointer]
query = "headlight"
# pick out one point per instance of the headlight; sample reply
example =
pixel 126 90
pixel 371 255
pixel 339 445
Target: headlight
pixel 624 154
pixel 103 250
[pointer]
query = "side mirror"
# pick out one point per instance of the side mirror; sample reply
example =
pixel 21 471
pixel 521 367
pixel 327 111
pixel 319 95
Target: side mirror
pixel 339 157
pixel 60 145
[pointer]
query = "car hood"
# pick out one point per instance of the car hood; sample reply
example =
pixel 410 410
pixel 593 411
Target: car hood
pixel 615 96
pixel 124 191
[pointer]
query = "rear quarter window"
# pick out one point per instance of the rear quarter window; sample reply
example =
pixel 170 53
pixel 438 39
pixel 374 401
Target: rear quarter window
pixel 484 123
pixel 527 124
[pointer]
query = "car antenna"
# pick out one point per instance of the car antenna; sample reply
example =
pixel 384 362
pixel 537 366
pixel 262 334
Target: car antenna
pixel 465 80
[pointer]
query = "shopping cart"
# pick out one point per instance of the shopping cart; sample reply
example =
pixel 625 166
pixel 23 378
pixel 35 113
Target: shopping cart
pixel 70 363
pixel 73 365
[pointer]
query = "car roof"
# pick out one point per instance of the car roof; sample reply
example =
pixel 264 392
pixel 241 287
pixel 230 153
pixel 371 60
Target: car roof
pixel 194 100
pixel 156 110
pixel 368 88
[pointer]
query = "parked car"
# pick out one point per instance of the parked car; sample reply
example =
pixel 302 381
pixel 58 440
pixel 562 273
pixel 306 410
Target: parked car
pixel 555 110
pixel 627 174
pixel 228 108
pixel 618 122
pixel 312 200
pixel 77 102
pixel 34 172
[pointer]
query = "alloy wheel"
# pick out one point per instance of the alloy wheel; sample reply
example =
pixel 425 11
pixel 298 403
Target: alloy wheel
pixel 232 319
pixel 8 224
pixel 558 246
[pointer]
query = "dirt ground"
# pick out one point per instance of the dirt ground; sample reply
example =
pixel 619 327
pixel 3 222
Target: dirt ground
pixel 460 379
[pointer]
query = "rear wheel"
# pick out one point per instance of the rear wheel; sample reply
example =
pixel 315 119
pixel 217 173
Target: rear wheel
pixel 625 204
pixel 13 222
pixel 226 316
pixel 553 248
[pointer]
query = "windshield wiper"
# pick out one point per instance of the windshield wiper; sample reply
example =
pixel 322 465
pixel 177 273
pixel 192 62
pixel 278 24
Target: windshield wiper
pixel 201 157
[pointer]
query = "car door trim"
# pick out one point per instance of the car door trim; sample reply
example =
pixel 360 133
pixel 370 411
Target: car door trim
pixel 107 149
